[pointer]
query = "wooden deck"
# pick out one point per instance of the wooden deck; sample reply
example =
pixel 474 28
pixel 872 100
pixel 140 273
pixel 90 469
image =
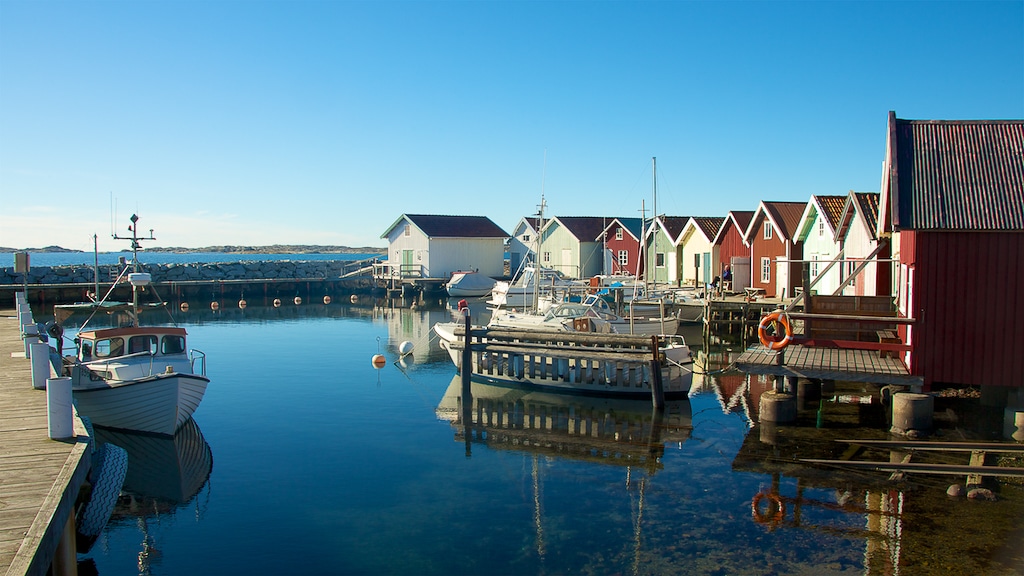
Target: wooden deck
pixel 39 478
pixel 818 363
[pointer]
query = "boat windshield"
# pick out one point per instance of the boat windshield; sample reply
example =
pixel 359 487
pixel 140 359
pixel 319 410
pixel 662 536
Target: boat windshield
pixel 570 311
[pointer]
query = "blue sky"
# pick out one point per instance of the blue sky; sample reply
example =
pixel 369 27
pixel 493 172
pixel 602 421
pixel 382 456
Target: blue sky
pixel 244 122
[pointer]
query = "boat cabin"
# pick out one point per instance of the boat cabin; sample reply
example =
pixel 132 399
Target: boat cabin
pixel 115 342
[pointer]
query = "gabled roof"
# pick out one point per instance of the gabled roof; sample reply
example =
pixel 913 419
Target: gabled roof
pixel 631 225
pixel 583 228
pixel 672 226
pixel 865 206
pixel 785 216
pixel 707 226
pixel 738 218
pixel 828 208
pixel 954 174
pixel 451 226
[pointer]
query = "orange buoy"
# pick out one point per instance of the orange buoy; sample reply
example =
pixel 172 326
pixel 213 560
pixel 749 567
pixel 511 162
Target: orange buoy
pixel 327 299
pixel 277 302
pixel 298 300
pixel 775 340
pixel 379 361
pixel 214 305
pixel 773 513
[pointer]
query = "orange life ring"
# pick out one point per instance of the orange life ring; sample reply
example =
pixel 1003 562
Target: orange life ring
pixel 774 341
pixel 775 512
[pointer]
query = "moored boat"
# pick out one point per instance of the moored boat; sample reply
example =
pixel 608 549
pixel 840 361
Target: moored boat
pixel 132 377
pixel 469 285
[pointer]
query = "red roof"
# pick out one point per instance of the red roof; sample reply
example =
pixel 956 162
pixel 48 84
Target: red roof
pixel 956 174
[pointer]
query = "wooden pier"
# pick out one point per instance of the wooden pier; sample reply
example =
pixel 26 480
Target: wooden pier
pixel 820 363
pixel 39 478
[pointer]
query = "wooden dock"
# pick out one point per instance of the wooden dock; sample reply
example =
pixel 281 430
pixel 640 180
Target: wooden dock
pixel 820 363
pixel 39 478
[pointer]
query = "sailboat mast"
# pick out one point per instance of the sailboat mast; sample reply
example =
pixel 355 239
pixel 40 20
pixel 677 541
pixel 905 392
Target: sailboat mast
pixel 654 175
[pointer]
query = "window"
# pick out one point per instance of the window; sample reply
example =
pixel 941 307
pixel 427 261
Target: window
pixel 109 348
pixel 821 227
pixel 547 257
pixel 850 267
pixel 659 259
pixel 766 269
pixel 408 230
pixel 526 238
pixel 618 233
pixel 138 344
pixel 814 267
pixel 173 344
pixel 767 230
pixel 623 258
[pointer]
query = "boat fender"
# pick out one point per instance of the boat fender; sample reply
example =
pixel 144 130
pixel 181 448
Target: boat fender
pixel 774 341
pixel 110 464
pixel 773 514
pixel 54 330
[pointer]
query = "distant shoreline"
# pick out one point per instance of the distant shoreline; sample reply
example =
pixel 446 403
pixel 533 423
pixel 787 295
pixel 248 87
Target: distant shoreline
pixel 272 249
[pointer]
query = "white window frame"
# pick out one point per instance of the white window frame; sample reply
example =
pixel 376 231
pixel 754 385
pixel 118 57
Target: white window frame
pixel 851 265
pixel 821 227
pixel 767 229
pixel 408 230
pixel 659 260
pixel 766 269
pixel 618 233
pixel 623 258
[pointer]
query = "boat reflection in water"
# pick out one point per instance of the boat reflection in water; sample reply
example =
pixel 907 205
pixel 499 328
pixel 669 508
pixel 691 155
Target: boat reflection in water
pixel 626 432
pixel 164 474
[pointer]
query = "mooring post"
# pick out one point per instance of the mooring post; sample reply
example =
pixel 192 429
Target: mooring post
pixel 657 386
pixel 467 391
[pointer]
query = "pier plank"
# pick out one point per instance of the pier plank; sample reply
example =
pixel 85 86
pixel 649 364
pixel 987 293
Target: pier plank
pixel 827 364
pixel 39 477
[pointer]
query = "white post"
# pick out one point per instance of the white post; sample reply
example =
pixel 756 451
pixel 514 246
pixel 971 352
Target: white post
pixel 59 416
pixel 40 364
pixel 31 337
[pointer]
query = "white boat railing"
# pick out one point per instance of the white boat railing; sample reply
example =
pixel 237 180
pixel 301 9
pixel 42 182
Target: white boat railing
pixel 200 357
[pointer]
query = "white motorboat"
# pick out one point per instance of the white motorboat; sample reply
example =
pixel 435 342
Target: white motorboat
pixel 572 362
pixel 523 291
pixel 132 377
pixel 137 378
pixel 564 317
pixel 646 323
pixel 469 285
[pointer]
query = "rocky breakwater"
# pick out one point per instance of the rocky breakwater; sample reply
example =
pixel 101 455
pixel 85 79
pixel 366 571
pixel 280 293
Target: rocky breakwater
pixel 192 272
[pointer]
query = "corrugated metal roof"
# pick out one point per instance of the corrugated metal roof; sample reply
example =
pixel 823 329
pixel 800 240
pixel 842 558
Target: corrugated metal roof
pixel 456 226
pixel 959 174
pixel 709 225
pixel 584 228
pixel 674 225
pixel 740 218
pixel 786 216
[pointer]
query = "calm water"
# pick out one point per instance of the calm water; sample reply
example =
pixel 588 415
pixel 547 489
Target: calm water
pixel 322 464
pixel 108 258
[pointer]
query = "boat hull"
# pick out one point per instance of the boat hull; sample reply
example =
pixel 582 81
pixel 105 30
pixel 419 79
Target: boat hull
pixel 159 404
pixel 573 373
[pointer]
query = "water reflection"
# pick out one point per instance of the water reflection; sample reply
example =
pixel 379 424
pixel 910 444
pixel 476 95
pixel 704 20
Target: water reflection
pixel 165 474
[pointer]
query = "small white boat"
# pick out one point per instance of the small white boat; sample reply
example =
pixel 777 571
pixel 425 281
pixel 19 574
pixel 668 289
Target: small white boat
pixel 646 323
pixel 521 292
pixel 571 362
pixel 469 285
pixel 564 317
pixel 137 378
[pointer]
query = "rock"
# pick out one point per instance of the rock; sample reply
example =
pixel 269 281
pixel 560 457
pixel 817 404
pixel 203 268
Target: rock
pixel 955 491
pixel 981 494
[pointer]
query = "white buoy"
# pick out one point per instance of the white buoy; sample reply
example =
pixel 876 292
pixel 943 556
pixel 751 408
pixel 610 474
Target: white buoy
pixel 353 298
pixel 298 300
pixel 215 305
pixel 405 348
pixel 184 306
pixel 379 361
pixel 277 302
pixel 327 299
pixel 59 418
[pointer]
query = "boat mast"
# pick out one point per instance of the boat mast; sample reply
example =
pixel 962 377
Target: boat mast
pixel 135 262
pixel 654 175
pixel 540 243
